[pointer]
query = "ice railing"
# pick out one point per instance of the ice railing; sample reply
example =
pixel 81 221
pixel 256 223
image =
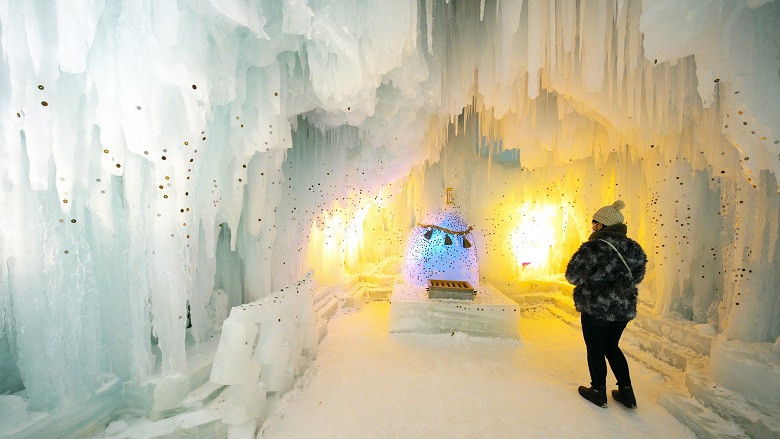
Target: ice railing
pixel 264 345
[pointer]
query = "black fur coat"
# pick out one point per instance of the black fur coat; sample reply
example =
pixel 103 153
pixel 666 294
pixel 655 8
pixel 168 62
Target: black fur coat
pixel 603 287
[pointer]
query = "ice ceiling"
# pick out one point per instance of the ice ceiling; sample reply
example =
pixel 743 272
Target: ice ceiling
pixel 156 151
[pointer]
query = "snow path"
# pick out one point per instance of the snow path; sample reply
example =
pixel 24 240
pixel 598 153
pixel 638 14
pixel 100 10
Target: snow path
pixel 367 383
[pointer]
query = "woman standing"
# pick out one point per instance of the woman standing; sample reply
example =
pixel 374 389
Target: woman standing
pixel 605 272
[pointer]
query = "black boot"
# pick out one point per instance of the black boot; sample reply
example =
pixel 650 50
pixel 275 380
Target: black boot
pixel 594 395
pixel 625 396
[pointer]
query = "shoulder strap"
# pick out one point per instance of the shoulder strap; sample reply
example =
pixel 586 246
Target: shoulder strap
pixel 621 257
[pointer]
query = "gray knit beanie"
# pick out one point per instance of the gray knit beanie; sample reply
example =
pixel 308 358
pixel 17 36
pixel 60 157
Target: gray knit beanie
pixel 610 215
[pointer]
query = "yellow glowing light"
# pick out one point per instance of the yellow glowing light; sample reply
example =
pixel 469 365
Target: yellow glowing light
pixel 353 236
pixel 534 236
pixel 337 238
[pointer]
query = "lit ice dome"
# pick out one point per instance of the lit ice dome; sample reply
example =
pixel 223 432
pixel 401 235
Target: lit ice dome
pixel 449 253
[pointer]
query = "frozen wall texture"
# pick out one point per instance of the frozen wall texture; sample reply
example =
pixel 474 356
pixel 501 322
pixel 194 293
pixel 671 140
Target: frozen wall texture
pixel 154 152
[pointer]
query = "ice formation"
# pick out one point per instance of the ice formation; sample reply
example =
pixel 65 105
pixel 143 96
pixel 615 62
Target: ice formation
pixel 262 347
pixel 163 161
pixel 441 247
pixel 489 314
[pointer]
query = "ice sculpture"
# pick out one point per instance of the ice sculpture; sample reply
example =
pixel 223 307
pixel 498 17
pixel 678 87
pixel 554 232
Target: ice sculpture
pixel 441 248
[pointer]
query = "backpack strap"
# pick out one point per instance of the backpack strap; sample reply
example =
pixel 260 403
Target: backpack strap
pixel 621 257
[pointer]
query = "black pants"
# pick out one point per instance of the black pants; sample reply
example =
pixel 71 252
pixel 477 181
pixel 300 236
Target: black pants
pixel 601 340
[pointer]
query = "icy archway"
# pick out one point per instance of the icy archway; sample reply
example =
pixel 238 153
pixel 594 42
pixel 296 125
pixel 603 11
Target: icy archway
pixel 154 153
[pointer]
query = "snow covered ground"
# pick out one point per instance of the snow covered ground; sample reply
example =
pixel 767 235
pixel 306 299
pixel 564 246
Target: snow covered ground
pixel 367 383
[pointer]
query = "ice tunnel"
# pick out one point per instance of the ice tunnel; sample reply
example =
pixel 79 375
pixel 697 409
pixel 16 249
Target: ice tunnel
pixel 184 181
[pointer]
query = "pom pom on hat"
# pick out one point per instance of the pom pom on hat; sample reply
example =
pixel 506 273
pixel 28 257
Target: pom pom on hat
pixel 610 215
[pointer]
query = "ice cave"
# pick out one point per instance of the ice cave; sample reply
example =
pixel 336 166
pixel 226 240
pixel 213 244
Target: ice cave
pixel 191 190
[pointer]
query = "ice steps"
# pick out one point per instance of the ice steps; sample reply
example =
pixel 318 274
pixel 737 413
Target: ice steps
pixel 683 333
pixel 721 413
pixel 632 349
pixel 200 423
pixel 700 419
pixel 680 357
pixel 663 345
pixel 630 346
pixel 366 292
pixel 678 351
pixel 326 307
pixel 757 421
pixel 378 293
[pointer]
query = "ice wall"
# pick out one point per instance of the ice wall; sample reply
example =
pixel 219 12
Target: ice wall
pixel 154 151
pixel 142 155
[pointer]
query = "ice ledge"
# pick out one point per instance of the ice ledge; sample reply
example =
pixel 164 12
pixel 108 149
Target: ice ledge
pixel 76 421
pixel 751 369
pixel 490 314
pixel 230 402
pixel 701 420
pixel 682 333
pixel 758 421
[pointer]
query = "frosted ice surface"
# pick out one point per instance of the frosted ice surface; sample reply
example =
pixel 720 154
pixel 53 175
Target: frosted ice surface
pixel 13 410
pixel 706 329
pixel 593 45
pixel 297 17
pixel 537 17
pixel 233 362
pixel 245 13
pixel 165 21
pixel 76 31
pixel 170 391
pixel 748 368
pixel 243 403
pixel 116 427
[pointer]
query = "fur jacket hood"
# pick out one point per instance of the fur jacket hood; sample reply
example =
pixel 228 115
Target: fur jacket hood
pixel 603 286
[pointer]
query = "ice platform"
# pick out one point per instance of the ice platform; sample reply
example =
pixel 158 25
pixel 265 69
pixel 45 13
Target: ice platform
pixel 490 314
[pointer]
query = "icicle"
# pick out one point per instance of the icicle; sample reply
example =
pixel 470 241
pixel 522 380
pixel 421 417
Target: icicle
pixel 552 41
pixel 429 23
pixel 536 44
pixel 593 40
